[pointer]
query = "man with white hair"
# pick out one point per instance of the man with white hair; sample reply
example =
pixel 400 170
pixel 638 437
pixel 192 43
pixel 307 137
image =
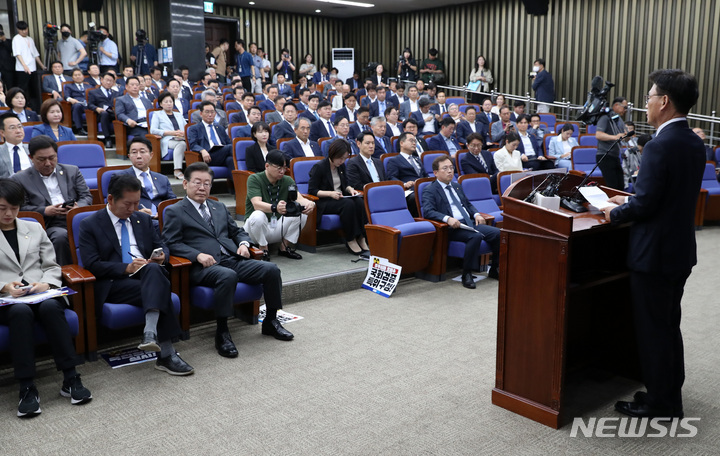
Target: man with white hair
pixel 220 116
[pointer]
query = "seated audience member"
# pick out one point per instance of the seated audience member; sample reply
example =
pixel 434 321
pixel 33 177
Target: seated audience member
pixel 312 87
pixel 445 140
pixel 52 116
pixel 364 90
pixel 338 101
pixel 236 104
pixel 411 126
pixel 518 110
pixel 407 168
pixel 302 85
pixel 342 127
pixel 440 107
pixel 127 73
pixel 328 87
pixel 53 83
pixel 364 168
pixel 34 267
pixel 349 111
pixel 131 109
pixel 455 114
pixel 220 117
pixel 117 245
pixel 181 104
pixel 285 128
pixel 362 124
pixel 398 97
pixel 13 153
pixel 156 79
pixel 394 128
pixel 498 130
pixel 102 101
pixel 210 139
pixel 479 160
pixel 277 114
pixel 425 118
pixel 560 148
pixel 378 107
pixel 16 101
pixel 284 89
pixel 499 103
pixel 156 187
pixel 444 201
pixel 93 78
pixel 469 125
pixel 632 157
pixel 256 155
pixel 148 89
pixel 411 105
pixel 633 140
pixel 52 189
pixel 371 96
pixel 75 95
pixel 266 208
pixel 508 158
pixel 377 78
pixel 530 148
pixel 248 101
pixel 354 82
pixel 220 259
pixel 302 145
pixel 328 182
pixel 382 142
pixel 709 151
pixel 303 99
pixel 271 93
pixel 420 84
pixel 323 127
pixel 486 116
pixel 536 129
pixel 311 112
pixel 322 75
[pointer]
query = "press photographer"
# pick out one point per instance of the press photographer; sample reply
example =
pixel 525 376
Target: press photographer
pixel 143 55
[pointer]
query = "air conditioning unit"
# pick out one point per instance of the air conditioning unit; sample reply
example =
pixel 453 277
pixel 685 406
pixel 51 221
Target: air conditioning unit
pixel 344 60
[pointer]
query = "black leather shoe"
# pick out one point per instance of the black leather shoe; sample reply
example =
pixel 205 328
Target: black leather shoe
pixel 81 132
pixel 493 274
pixel 265 256
pixel 174 365
pixel 275 329
pixel 290 253
pixel 225 346
pixel 149 342
pixel 641 410
pixel 109 144
pixel 640 397
pixel 467 281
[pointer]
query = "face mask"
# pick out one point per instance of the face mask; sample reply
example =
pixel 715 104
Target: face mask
pixel 66 34
pixel 536 68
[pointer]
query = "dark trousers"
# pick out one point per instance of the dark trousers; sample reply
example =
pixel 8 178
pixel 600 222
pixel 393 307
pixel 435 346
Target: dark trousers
pixel 612 171
pixel 656 308
pixel 412 206
pixel 473 242
pixel 21 318
pixel 137 131
pixel 149 289
pixel 351 212
pixel 247 83
pixel 224 276
pixel 223 157
pixel 78 110
pixel 536 164
pixel 106 119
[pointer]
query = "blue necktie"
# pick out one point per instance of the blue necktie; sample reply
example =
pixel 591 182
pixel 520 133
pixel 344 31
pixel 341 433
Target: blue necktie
pixel 213 136
pixel 16 159
pixel 149 189
pixel 373 171
pixel 330 129
pixel 459 206
pixel 489 116
pixel 125 242
pixel 382 144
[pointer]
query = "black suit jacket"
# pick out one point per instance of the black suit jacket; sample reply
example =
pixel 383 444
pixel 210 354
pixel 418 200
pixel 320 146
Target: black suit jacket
pixel 321 179
pixel 100 248
pixel 482 117
pixel 662 240
pixel 435 204
pixel 358 174
pixel 254 160
pixel 398 168
pixel 97 99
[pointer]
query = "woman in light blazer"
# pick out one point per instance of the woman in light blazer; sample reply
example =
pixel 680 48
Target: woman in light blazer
pixel 27 266
pixel 481 73
pixel 561 147
pixel 170 125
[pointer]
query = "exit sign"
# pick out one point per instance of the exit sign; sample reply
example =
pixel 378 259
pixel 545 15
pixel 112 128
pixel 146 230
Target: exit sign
pixel 209 7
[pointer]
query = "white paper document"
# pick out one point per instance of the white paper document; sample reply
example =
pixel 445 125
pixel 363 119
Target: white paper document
pixel 596 197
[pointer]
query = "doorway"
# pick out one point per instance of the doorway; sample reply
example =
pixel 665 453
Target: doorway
pixel 216 29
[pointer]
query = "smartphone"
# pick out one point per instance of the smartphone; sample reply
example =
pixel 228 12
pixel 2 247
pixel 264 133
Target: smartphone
pixel 24 288
pixel 157 253
pixel 68 203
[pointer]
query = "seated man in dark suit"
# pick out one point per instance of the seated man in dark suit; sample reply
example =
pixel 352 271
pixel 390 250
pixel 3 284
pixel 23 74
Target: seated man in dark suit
pixel 238 92
pixel 156 187
pixel 284 89
pixel 131 109
pixel 362 124
pixel 471 125
pixel 302 145
pixel 498 130
pixel 75 95
pixel 444 201
pixel 378 107
pixel 53 83
pixel 370 96
pixel 323 128
pixel 271 93
pixel 425 117
pixel 394 127
pixel 479 160
pixel 203 231
pixel 518 110
pixel 248 101
pixel 364 168
pixel 382 142
pixel 445 140
pixel 220 116
pixel 406 168
pixel 486 116
pixel 348 111
pixel 52 189
pixel 101 100
pixel 119 245
pixel 277 115
pixel 210 140
pixel 285 128
pixel 411 126
pixel 311 113
pixel 342 128
pixel 93 78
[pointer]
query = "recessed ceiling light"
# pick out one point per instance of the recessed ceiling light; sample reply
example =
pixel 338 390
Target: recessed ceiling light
pixel 251 3
pixel 317 11
pixel 347 3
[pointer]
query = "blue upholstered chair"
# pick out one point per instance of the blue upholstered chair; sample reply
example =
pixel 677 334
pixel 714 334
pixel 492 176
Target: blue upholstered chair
pixel 588 140
pixel 87 155
pixel 478 190
pixel 583 159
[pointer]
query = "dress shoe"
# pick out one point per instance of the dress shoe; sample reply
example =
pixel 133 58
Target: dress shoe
pixel 353 252
pixel 275 329
pixel 149 342
pixel 265 255
pixel 493 274
pixel 225 346
pixel 641 410
pixel 109 144
pixel 467 281
pixel 290 253
pixel 81 132
pixel 174 365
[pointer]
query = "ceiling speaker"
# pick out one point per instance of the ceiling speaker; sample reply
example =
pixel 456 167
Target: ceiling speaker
pixel 91 6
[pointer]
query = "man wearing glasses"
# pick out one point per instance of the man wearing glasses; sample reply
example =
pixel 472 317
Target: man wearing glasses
pixel 202 230
pixel 210 140
pixel 407 168
pixel 444 201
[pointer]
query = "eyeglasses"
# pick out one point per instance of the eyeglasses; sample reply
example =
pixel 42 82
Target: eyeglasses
pixel 447 168
pixel 14 127
pixel 648 97
pixel 279 168
pixel 199 184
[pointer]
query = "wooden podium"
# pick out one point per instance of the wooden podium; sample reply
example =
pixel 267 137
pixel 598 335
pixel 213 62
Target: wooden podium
pixel 563 303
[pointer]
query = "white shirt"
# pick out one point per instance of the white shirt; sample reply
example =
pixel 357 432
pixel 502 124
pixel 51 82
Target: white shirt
pixel 53 187
pixel 142 112
pixel 24 158
pixel 676 119
pixel 59 79
pixel 306 148
pixel 179 105
pixel 25 48
pixel 351 115
pixel 394 128
pixel 134 250
pixel 22 115
pixel 457 211
pixel 413 105
pixel 527 144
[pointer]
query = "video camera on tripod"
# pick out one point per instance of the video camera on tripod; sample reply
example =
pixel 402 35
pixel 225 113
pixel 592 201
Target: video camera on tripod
pixel 50 32
pixel 597 101
pixel 95 37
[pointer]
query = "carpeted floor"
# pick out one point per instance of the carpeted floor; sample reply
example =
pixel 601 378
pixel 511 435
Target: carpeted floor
pixel 410 375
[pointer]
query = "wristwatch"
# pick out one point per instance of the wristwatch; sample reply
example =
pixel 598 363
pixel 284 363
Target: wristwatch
pixel 273 208
pixel 245 243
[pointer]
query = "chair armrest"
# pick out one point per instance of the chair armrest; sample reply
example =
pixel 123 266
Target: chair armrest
pixel 383 229
pixel 311 197
pixel 74 274
pixel 383 241
pixel 256 253
pixel 179 261
pixel 192 157
pixel 488 218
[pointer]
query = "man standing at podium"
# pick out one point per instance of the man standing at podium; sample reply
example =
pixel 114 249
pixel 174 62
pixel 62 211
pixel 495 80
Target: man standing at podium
pixel 662 249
